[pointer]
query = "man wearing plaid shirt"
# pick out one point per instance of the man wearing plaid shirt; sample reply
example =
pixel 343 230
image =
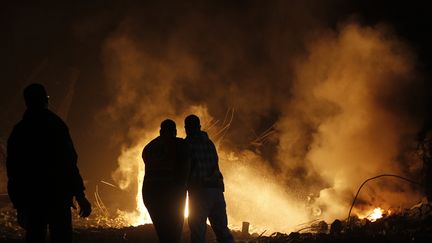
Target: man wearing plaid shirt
pixel 206 199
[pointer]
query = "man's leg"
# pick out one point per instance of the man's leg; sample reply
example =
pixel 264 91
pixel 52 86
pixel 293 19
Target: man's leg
pixel 60 225
pixel 165 206
pixel 153 203
pixel 178 207
pixel 218 218
pixel 198 212
pixel 172 216
pixel 36 227
pixel 428 179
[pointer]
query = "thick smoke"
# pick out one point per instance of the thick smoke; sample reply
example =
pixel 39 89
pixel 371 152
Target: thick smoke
pixel 316 110
pixel 347 118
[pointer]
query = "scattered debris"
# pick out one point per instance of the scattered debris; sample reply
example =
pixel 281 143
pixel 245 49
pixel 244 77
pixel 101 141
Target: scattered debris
pixel 411 225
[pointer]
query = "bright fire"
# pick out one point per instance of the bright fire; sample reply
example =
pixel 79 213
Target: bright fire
pixel 373 215
pixel 336 112
pixel 132 168
pixel 186 210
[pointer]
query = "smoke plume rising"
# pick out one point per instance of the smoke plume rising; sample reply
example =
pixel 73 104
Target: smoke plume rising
pixel 329 109
pixel 347 104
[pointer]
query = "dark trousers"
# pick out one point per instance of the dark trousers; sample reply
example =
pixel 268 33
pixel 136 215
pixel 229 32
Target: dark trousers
pixel 428 178
pixel 57 219
pixel 208 203
pixel 165 205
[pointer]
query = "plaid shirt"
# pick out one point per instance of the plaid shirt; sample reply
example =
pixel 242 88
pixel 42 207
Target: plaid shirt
pixel 204 169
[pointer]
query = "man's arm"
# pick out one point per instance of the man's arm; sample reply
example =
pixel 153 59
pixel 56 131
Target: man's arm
pixel 185 160
pixel 71 157
pixel 78 188
pixel 12 168
pixel 217 176
pixel 214 155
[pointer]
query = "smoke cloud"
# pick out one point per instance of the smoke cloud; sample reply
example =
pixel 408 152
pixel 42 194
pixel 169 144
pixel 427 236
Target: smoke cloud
pixel 347 118
pixel 316 110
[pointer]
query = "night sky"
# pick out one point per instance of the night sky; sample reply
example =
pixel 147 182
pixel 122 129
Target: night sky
pixel 58 42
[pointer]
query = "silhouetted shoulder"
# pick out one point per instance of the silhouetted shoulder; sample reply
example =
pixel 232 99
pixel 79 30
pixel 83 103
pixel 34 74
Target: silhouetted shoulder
pixel 151 144
pixel 42 118
pixel 181 143
pixel 55 119
pixel 148 151
pixel 16 129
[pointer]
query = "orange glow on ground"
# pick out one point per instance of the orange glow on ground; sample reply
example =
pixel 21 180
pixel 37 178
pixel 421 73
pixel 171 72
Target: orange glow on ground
pixel 377 213
pixel 373 215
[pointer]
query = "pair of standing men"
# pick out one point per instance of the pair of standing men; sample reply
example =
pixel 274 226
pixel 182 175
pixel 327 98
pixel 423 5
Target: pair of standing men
pixel 174 165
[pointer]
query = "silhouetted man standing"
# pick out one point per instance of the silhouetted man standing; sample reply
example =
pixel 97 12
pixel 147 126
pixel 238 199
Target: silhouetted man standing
pixel 42 173
pixel 164 188
pixel 206 187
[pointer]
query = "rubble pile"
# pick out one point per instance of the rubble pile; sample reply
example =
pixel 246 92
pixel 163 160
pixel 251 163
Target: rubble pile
pixel 8 226
pixel 412 225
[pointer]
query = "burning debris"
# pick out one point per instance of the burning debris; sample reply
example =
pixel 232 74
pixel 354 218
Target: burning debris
pixel 410 225
pixel 313 109
pixel 321 141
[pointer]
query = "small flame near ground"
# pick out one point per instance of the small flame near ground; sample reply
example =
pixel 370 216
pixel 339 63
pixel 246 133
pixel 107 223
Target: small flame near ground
pixel 140 216
pixel 374 215
pixel 186 210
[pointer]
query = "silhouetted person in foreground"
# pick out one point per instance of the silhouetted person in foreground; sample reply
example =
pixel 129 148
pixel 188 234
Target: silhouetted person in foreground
pixel 206 187
pixel 43 176
pixel 164 188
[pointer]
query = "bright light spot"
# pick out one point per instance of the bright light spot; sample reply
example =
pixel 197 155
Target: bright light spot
pixel 186 210
pixel 377 213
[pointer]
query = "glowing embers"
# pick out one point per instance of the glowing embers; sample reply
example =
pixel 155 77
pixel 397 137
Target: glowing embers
pixel 375 214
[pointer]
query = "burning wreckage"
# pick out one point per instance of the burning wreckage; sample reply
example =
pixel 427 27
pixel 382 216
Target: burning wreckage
pixel 408 225
pixel 404 225
pixel 412 224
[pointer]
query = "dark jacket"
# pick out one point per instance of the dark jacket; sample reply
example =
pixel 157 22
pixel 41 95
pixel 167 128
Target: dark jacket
pixel 204 162
pixel 41 162
pixel 166 162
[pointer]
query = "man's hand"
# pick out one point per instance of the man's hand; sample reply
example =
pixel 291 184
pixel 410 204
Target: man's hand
pixel 84 205
pixel 22 218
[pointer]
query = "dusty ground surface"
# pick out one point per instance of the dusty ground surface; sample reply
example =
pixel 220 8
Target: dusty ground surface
pixel 413 225
pixel 87 231
pixel 143 233
pixel 380 232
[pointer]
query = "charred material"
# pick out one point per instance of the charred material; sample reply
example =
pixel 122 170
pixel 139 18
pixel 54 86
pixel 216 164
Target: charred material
pixel 412 225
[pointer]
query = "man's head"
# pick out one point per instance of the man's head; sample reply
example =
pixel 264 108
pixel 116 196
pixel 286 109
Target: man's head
pixel 192 124
pixel 168 128
pixel 35 96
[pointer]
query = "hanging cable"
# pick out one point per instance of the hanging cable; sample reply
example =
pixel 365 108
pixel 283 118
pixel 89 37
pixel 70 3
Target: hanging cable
pixel 376 177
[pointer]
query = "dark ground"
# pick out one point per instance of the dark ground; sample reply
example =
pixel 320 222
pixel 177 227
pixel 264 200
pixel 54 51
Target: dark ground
pixel 393 229
pixel 143 233
pixel 411 225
